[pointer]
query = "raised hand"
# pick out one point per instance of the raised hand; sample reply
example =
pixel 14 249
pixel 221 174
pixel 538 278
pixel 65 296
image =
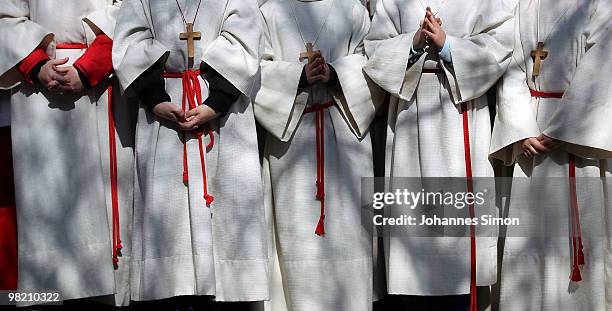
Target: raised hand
pixel 433 30
pixel 69 79
pixel 420 38
pixel 325 75
pixel 195 118
pixel 169 111
pixel 47 76
pixel 315 69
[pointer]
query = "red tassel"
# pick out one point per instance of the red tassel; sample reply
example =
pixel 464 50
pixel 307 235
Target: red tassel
pixel 209 199
pixel 320 231
pixel 576 276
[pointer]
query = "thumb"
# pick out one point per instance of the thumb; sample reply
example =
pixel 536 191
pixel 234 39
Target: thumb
pixel 60 61
pixel 178 113
pixel 191 113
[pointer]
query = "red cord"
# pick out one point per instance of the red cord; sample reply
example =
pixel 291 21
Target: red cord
pixel 576 234
pixel 577 247
pixel 320 138
pixel 112 143
pixel 470 188
pixel 192 97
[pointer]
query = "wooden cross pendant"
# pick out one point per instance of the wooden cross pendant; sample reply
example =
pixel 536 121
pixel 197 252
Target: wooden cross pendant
pixel 538 56
pixel 190 36
pixel 310 52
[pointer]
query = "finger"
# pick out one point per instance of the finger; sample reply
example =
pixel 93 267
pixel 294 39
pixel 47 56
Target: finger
pixel 57 77
pixel 192 113
pixel 431 23
pixel 179 115
pixel 428 33
pixel 539 147
pixel 189 125
pixel 315 58
pixel 53 84
pixel 61 70
pixel 319 77
pixel 316 71
pixel 427 25
pixel 170 116
pixel 60 61
pixel 439 21
pixel 433 19
pixel 532 150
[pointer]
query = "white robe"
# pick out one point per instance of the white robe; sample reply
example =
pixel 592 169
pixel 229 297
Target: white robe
pixel 334 271
pixel 61 156
pixel 535 270
pixel 181 246
pixel 425 130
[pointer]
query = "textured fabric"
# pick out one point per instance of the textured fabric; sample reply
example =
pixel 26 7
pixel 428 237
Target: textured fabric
pixel 181 246
pixel 536 271
pixel 312 272
pixel 27 65
pixel 586 106
pixel 8 222
pixel 425 135
pixel 64 242
pixel 96 63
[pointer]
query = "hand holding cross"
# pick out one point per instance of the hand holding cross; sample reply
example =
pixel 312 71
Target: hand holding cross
pixel 310 53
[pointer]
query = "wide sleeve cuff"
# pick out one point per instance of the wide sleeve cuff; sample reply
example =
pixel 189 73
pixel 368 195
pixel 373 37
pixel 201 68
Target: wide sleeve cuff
pixel 354 97
pixel 27 65
pixel 388 63
pixel 223 94
pixel 279 104
pixel 97 64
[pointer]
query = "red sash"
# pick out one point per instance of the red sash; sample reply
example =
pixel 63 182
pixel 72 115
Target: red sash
pixel 71 46
pixel 319 110
pixel 540 94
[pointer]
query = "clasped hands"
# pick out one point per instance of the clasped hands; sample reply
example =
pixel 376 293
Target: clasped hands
pixel 430 32
pixel 317 69
pixel 191 120
pixel 64 79
pixel 535 146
